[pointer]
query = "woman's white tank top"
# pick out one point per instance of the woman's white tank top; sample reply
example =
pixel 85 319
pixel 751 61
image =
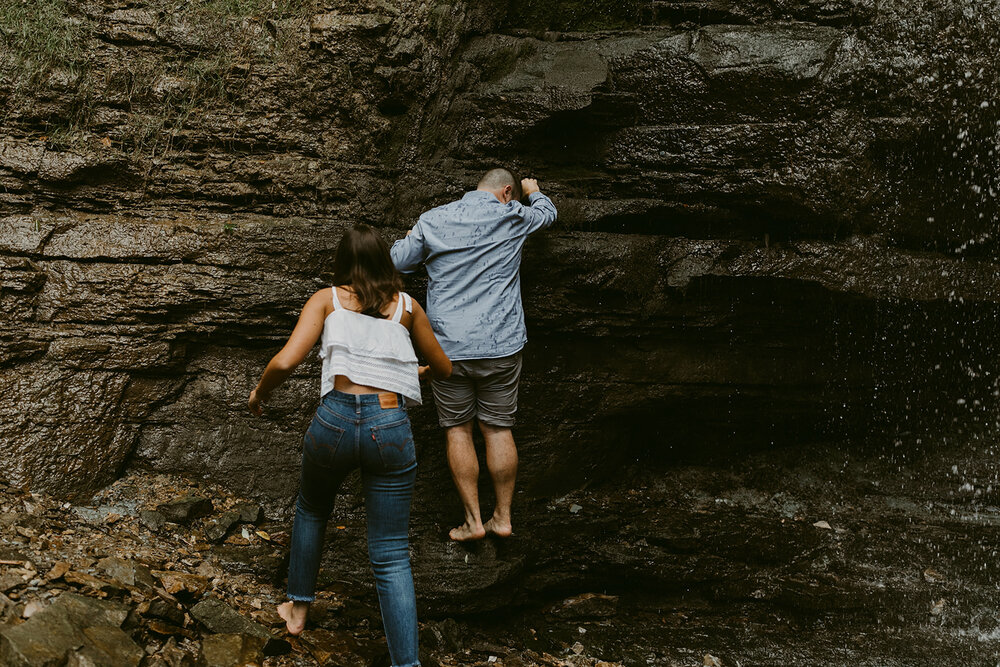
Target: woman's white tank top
pixel 370 351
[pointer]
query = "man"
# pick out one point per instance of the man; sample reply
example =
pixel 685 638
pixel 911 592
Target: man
pixel 472 251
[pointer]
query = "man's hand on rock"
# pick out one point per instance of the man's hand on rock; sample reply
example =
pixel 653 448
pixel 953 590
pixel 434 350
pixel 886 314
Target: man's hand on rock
pixel 529 186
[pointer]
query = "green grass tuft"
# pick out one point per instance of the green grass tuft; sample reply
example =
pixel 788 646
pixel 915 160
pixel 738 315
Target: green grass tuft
pixel 40 36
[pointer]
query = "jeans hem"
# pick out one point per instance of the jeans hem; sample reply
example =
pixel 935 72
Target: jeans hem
pixel 301 598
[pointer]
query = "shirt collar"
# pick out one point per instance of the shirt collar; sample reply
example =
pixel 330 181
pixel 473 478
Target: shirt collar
pixel 481 195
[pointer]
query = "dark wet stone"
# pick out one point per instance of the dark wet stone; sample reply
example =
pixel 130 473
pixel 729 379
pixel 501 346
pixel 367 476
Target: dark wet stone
pixel 217 529
pixel 127 572
pixel 231 650
pixel 186 509
pixel 71 623
pixel 159 608
pixel 250 513
pixel 10 581
pixel 325 646
pixel 189 586
pixel 445 635
pixel 108 645
pixel 220 618
pixel 152 519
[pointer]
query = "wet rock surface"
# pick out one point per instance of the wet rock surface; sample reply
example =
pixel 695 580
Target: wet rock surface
pixel 822 554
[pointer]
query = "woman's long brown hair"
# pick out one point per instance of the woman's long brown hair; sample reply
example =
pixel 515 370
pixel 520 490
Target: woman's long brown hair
pixel 363 262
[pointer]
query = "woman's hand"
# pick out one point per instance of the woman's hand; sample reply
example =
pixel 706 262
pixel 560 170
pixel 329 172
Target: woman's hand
pixel 256 403
pixel 423 371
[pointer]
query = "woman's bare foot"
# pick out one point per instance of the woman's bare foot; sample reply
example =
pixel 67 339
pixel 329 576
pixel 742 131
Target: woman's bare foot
pixel 467 533
pixel 495 527
pixel 294 614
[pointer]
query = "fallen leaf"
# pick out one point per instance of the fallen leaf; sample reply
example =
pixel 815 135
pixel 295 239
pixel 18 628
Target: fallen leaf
pixel 824 525
pixel 106 142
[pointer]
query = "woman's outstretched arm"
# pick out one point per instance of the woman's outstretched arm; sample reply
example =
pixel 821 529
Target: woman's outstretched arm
pixel 303 338
pixel 427 344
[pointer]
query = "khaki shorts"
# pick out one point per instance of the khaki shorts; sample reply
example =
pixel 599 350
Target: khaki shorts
pixel 483 388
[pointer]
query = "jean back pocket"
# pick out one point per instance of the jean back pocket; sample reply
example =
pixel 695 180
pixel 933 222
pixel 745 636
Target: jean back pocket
pixel 321 442
pixel 395 444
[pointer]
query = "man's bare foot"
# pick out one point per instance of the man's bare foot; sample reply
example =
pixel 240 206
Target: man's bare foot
pixel 294 614
pixel 494 527
pixel 467 533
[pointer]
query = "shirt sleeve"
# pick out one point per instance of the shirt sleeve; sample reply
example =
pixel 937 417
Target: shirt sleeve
pixel 540 214
pixel 408 252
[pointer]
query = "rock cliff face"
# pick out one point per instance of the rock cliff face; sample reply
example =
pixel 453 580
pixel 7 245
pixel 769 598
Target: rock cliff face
pixel 777 221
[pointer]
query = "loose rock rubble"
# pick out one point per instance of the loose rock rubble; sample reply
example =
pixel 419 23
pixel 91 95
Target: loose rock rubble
pixel 193 582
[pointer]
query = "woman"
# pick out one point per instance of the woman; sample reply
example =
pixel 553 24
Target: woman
pixel 367 328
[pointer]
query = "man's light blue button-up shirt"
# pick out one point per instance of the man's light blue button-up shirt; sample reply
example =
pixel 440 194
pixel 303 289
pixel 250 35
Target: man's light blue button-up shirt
pixel 472 251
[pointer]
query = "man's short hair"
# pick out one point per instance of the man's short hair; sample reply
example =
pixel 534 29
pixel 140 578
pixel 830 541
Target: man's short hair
pixel 498 179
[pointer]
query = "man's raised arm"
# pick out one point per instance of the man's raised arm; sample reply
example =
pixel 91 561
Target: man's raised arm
pixel 408 252
pixel 541 212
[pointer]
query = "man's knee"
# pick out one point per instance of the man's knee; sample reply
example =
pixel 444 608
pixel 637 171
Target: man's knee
pixel 493 430
pixel 459 430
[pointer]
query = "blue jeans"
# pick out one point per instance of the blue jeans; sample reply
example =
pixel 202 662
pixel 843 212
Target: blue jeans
pixel 350 431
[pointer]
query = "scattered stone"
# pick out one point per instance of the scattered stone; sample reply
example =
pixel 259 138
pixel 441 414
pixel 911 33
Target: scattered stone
pixel 824 525
pixel 231 650
pixel 32 608
pixel 57 571
pixel 127 572
pixel 165 629
pixel 220 618
pixel 445 635
pixel 325 645
pixel 164 610
pixel 185 509
pixel 108 645
pixel 90 581
pixel 250 513
pixel 174 656
pixel 217 530
pixel 588 605
pixel 10 555
pixel 208 570
pixel 574 508
pixel 175 583
pixel 577 648
pixel 152 520
pixel 10 581
pixel 73 623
